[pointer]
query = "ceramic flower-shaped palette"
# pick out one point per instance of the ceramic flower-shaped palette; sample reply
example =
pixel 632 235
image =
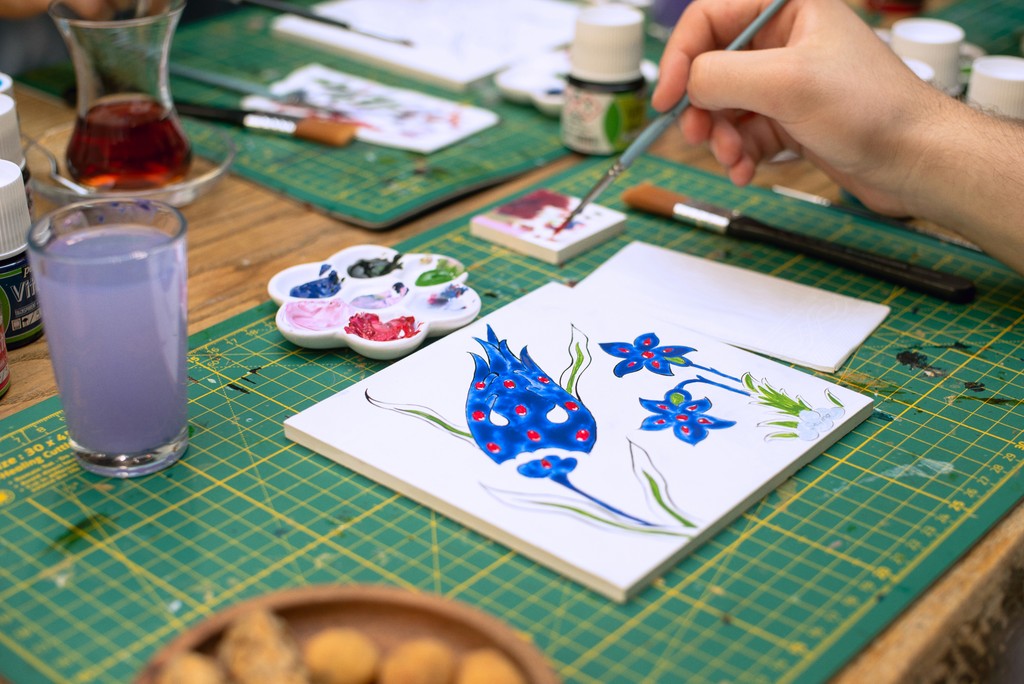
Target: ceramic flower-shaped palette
pixel 380 303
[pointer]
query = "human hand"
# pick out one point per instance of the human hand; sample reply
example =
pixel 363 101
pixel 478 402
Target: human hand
pixel 21 9
pixel 817 81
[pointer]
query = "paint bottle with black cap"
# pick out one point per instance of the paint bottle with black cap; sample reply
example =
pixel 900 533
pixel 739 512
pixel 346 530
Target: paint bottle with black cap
pixel 19 308
pixel 606 93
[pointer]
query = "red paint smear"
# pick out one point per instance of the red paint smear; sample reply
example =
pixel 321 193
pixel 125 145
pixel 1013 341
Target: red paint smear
pixel 370 327
pixel 528 206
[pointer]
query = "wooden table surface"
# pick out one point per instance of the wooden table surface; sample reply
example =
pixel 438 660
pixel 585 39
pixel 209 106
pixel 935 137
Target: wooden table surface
pixel 236 243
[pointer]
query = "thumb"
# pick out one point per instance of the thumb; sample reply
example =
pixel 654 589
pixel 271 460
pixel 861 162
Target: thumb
pixel 761 81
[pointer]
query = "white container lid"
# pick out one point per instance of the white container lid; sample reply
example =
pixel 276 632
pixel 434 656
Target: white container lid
pixel 10 133
pixel 997 85
pixel 934 42
pixel 609 44
pixel 14 216
pixel 6 84
pixel 922 70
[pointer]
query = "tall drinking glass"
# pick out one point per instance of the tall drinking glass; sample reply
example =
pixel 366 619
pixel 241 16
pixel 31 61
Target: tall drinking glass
pixel 111 280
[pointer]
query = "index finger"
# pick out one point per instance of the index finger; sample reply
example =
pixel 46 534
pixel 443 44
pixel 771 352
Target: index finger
pixel 704 26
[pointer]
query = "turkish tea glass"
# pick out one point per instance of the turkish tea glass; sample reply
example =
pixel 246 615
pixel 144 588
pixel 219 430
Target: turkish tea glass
pixel 127 135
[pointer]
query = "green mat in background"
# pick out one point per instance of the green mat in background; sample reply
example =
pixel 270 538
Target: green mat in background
pixel 995 26
pixel 97 574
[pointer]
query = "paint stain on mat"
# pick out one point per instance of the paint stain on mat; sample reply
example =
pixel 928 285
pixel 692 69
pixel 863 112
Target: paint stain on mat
pixel 915 359
pixel 868 383
pixel 992 401
pixel 80 530
pixel 974 386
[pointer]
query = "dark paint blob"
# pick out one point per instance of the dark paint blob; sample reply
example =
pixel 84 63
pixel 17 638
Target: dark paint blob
pixel 882 415
pixel 975 386
pixel 915 359
pixel 322 287
pixel 528 206
pixel 372 268
pixel 994 401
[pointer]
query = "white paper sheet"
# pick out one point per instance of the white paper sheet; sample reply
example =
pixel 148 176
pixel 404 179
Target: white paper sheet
pixel 782 319
pixel 455 43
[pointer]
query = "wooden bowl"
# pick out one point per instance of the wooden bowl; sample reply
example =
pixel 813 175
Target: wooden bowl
pixel 387 615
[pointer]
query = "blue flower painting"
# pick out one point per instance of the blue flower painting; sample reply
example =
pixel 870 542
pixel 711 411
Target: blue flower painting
pixel 644 352
pixel 514 407
pixel 687 417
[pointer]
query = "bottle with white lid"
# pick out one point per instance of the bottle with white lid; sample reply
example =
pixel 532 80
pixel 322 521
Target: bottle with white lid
pixel 19 308
pixel 606 94
pixel 996 85
pixel 10 140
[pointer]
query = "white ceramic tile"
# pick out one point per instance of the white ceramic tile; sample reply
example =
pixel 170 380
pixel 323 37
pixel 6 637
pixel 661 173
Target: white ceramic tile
pixel 532 224
pixel 664 452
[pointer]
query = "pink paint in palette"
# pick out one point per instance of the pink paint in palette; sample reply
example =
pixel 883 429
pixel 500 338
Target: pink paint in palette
pixel 530 225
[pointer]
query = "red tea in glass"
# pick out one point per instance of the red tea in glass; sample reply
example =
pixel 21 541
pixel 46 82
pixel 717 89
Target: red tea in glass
pixel 128 143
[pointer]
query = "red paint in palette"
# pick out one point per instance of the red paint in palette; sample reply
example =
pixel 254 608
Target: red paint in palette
pixel 370 327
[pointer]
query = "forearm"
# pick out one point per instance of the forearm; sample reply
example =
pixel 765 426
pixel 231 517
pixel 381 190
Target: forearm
pixel 970 177
pixel 21 9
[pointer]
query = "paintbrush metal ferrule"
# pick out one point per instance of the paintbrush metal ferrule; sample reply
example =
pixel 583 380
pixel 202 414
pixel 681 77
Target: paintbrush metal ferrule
pixel 268 122
pixel 704 215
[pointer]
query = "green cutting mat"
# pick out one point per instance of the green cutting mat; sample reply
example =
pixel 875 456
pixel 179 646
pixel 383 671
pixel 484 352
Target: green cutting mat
pixel 365 184
pixel 97 574
pixel 996 26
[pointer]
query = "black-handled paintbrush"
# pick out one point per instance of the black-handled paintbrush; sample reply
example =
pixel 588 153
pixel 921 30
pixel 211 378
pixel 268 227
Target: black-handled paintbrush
pixel 313 129
pixel 655 200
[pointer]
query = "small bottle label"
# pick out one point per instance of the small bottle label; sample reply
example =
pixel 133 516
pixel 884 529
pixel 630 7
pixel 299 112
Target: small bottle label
pixel 5 373
pixel 19 307
pixel 595 122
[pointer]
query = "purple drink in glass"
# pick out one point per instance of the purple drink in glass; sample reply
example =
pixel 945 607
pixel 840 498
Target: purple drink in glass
pixel 111 279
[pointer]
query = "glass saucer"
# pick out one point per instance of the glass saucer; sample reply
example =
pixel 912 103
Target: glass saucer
pixel 49 179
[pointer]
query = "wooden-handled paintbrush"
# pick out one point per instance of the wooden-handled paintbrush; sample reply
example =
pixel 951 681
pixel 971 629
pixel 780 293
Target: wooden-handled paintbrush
pixel 662 202
pixel 313 129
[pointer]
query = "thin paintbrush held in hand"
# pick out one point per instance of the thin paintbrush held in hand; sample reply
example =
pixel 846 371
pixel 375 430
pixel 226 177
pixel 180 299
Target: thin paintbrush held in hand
pixel 663 122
